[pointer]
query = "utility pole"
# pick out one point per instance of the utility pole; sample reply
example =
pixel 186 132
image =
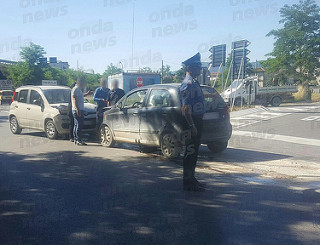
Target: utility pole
pixel 162 72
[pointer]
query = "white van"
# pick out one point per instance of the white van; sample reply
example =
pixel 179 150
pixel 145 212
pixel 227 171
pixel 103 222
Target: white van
pixel 45 108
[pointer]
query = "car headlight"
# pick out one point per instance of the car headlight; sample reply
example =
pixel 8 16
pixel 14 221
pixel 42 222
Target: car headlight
pixel 63 110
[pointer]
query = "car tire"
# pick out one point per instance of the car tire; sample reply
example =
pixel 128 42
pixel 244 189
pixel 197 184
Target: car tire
pixel 14 125
pixel 51 130
pixel 217 147
pixel 169 145
pixel 276 101
pixel 106 136
pixel 237 102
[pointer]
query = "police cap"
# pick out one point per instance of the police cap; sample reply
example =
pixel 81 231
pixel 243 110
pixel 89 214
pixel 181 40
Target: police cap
pixel 194 61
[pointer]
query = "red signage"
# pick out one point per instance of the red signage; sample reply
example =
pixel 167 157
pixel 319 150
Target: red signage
pixel 139 82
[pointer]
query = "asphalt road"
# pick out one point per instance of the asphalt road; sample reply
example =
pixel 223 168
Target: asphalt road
pixel 264 189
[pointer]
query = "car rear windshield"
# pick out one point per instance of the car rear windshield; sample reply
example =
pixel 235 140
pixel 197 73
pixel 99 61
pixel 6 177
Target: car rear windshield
pixel 7 93
pixel 213 99
pixel 57 96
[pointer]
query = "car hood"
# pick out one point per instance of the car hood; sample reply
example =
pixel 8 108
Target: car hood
pixel 89 107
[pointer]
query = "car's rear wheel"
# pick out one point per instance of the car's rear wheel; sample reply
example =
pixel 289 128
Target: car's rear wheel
pixel 106 136
pixel 51 130
pixel 170 146
pixel 238 102
pixel 14 126
pixel 217 147
pixel 276 101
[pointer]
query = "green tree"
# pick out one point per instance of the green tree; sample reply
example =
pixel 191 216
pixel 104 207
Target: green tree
pixel 111 70
pixel 32 53
pixel 21 73
pixel 179 75
pixel 296 49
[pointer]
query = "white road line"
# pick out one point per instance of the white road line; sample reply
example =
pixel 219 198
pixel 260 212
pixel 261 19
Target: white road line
pixel 283 138
pixel 259 116
pixel 313 118
pixel 272 114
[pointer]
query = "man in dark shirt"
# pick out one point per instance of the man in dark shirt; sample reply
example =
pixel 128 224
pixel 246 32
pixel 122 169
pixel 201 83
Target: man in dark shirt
pixel 115 94
pixel 101 97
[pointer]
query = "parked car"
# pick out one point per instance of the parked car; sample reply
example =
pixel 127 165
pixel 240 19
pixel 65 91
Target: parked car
pixel 151 116
pixel 5 96
pixel 45 108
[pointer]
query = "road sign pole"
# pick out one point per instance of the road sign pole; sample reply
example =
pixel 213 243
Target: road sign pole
pixel 234 97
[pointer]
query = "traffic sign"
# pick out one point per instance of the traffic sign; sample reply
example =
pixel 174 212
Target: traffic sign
pixel 49 82
pixel 218 48
pixel 240 52
pixel 240 44
pixel 139 82
pixel 218 55
pixel 239 60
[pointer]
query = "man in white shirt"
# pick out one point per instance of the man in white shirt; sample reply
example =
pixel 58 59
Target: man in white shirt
pixel 77 98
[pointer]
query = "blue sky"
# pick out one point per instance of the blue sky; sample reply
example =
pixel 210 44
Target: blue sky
pixel 93 34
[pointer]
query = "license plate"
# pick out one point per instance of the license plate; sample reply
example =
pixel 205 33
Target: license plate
pixel 211 116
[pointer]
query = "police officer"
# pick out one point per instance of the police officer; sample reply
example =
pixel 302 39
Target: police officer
pixel 193 109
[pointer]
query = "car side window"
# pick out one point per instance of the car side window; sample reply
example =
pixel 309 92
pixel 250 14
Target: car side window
pixel 135 100
pixel 23 95
pixel 35 97
pixel 159 98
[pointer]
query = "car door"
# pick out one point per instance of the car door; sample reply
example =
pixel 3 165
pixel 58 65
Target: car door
pixel 126 121
pixel 35 110
pixel 20 108
pixel 158 113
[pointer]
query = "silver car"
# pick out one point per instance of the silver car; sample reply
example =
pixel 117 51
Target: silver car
pixel 45 108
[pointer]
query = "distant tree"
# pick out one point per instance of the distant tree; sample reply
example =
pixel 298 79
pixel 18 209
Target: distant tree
pixel 111 70
pixel 21 73
pixel 179 75
pixel 296 50
pixel 32 53
pixel 3 71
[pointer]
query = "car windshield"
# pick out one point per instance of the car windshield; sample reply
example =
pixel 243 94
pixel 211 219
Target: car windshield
pixel 235 84
pixel 57 96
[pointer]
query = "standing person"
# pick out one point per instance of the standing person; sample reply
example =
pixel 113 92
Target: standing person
pixel 193 109
pixel 71 125
pixel 77 97
pixel 101 97
pixel 115 94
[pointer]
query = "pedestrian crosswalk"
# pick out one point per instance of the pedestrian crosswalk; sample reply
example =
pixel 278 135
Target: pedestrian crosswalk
pixel 261 114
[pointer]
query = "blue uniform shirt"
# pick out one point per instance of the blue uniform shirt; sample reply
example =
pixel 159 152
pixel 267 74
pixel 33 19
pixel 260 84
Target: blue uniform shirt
pixel 100 94
pixel 192 95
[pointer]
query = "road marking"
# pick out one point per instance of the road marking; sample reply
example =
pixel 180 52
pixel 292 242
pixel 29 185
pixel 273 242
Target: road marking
pixel 283 138
pixel 272 114
pixel 313 118
pixel 259 116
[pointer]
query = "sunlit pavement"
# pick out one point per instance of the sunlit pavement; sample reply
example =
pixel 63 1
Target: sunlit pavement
pixel 264 189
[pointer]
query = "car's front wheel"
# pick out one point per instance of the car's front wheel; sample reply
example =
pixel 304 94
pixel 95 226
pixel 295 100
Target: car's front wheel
pixel 170 146
pixel 106 136
pixel 14 126
pixel 51 130
pixel 217 147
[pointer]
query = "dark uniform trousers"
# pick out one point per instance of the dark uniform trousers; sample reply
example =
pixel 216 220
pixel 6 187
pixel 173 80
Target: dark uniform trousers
pixel 192 150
